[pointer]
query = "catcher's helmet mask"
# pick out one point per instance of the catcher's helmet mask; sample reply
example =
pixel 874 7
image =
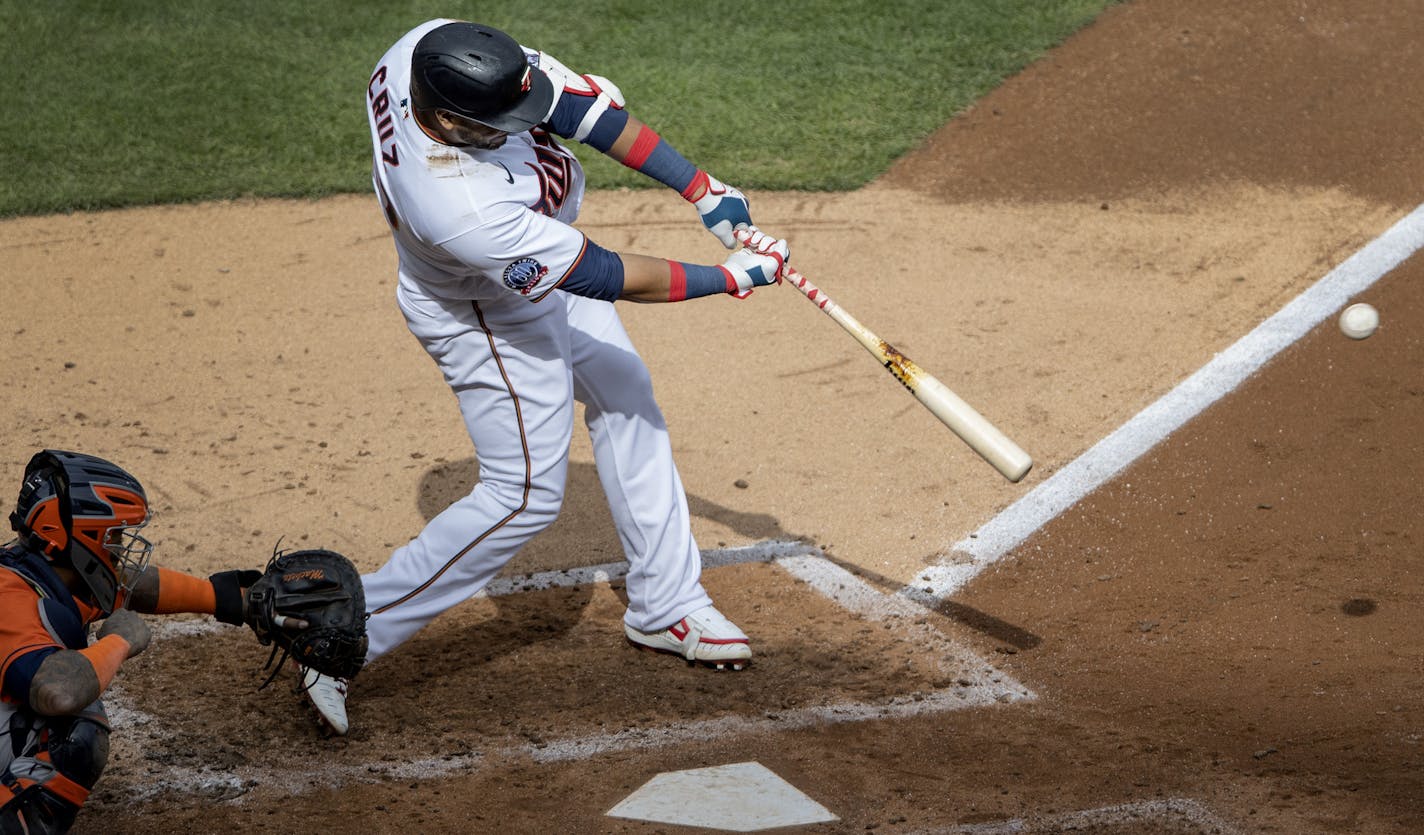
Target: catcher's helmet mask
pixel 480 74
pixel 85 513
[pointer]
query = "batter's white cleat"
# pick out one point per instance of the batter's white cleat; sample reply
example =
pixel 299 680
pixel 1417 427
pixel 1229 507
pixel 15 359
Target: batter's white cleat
pixel 328 696
pixel 703 637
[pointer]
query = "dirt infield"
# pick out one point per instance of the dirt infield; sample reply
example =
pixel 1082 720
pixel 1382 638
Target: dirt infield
pixel 1224 637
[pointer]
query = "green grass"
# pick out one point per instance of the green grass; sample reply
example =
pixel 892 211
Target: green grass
pixel 159 101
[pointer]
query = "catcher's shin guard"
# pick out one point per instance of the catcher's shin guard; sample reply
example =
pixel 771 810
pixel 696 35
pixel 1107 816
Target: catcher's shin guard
pixel 46 785
pixel 81 751
pixel 37 811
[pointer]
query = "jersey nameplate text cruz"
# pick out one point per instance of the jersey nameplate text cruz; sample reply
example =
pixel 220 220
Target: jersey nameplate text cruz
pixel 380 103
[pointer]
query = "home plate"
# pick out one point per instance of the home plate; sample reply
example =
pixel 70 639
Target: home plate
pixel 743 797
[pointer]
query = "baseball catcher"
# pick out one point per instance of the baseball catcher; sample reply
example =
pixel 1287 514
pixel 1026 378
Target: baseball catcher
pixel 72 585
pixel 79 563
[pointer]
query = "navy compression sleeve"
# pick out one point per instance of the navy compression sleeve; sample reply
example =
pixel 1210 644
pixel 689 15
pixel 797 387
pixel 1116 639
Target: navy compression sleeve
pixel 597 275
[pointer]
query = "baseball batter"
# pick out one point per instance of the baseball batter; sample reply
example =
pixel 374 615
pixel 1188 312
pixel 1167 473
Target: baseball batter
pixel 515 306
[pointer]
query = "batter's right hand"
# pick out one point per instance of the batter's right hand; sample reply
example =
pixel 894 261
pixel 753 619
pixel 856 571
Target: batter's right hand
pixel 127 625
pixel 759 262
pixel 723 210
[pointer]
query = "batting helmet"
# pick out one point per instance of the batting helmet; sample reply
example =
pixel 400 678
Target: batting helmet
pixel 481 74
pixel 84 512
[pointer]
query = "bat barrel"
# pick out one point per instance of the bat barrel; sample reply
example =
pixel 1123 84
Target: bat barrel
pixel 973 428
pixel 961 418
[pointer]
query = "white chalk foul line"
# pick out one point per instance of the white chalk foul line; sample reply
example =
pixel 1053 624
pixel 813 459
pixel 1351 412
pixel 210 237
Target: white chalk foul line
pixel 1149 427
pixel 976 683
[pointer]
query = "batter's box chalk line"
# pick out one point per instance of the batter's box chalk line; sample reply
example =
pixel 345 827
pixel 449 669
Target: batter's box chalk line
pixel 1182 815
pixel 976 683
pixel 1210 383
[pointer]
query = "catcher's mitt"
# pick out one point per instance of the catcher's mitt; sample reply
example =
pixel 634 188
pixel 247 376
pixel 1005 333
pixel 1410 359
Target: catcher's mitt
pixel 311 605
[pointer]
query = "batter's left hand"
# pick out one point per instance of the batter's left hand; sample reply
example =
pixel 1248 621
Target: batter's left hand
pixel 723 210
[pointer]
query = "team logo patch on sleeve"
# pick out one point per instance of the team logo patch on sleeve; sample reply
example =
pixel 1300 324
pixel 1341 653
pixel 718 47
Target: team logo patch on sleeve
pixel 522 275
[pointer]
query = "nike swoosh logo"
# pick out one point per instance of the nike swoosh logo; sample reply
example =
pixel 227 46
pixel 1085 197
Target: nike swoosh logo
pixel 508 176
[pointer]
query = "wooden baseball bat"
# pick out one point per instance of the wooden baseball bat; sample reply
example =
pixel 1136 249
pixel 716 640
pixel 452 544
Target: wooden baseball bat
pixel 981 435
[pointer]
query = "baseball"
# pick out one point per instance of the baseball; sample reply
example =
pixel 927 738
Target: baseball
pixel 1359 321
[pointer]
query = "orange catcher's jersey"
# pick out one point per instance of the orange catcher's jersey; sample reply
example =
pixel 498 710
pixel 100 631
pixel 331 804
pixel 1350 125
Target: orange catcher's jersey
pixel 34 623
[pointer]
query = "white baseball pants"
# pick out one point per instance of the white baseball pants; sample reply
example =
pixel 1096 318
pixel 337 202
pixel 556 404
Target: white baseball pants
pixel 516 369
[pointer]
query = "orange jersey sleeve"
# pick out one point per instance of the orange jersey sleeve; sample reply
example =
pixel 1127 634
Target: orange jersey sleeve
pixel 179 592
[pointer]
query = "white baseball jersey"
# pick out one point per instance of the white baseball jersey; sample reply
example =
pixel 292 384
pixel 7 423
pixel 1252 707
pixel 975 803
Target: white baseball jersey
pixel 466 222
pixel 484 241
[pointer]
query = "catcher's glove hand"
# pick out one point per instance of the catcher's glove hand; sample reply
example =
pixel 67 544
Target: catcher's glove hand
pixel 311 605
